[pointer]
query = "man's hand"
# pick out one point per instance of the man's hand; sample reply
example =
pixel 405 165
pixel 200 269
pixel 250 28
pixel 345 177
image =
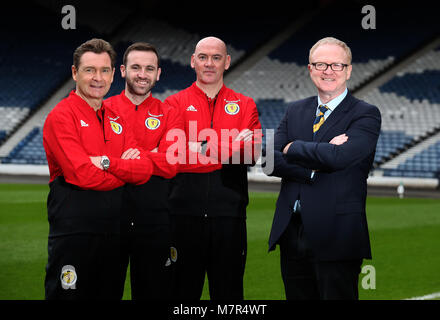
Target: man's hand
pixel 244 135
pixel 338 140
pixel 96 162
pixel 130 154
pixel 194 146
pixel 286 148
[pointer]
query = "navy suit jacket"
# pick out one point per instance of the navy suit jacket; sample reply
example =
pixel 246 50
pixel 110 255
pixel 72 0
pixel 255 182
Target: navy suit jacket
pixel 333 202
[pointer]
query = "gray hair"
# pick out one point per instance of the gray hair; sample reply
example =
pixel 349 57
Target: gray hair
pixel 331 40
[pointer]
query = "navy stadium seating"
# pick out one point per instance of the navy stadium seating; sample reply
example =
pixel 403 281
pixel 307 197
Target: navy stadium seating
pixel 32 78
pixel 29 150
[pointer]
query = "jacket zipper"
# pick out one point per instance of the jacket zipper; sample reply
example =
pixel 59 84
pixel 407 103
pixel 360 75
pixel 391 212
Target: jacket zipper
pixel 211 103
pixel 101 121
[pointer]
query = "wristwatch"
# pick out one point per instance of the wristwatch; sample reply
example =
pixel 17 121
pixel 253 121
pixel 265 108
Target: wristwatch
pixel 203 147
pixel 105 162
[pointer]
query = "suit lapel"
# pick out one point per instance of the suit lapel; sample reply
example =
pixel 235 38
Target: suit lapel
pixel 309 117
pixel 334 117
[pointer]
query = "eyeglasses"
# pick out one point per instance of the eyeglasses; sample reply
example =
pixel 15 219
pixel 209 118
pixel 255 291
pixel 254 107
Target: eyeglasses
pixel 322 66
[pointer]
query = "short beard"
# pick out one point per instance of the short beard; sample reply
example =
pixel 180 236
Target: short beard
pixel 132 89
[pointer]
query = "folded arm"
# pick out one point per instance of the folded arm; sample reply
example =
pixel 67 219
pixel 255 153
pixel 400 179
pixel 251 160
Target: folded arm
pixel 281 168
pixel 65 149
pixel 362 135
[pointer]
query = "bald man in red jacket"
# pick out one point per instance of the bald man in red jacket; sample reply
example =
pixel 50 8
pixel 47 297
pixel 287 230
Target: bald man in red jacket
pixel 208 207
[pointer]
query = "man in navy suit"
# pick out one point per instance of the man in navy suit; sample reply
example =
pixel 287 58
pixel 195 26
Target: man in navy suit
pixel 324 148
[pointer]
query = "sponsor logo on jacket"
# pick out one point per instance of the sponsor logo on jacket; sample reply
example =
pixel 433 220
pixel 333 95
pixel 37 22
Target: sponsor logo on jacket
pixel 191 108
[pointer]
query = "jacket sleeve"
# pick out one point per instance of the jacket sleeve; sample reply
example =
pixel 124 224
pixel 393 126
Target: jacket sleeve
pixel 362 134
pixel 247 152
pixel 63 145
pixel 134 171
pixel 204 163
pixel 174 120
pixel 282 168
pixel 172 101
pixel 161 166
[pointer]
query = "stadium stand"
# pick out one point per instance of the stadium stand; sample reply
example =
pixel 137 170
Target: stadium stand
pixel 32 67
pixel 176 39
pixel 410 107
pixel 30 150
pixel 409 101
pixel 175 45
pixel 284 75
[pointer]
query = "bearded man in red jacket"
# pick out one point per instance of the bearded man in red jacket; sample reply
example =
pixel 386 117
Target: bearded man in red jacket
pixel 146 237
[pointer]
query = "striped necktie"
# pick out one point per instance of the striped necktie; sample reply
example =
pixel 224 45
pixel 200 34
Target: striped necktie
pixel 319 118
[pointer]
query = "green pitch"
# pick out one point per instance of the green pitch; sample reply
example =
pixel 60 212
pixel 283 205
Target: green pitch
pixel 404 237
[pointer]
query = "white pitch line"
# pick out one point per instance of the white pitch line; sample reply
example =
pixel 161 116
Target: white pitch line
pixel 427 297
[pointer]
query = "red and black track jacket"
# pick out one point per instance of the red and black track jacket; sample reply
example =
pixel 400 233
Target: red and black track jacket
pixel 84 198
pixel 219 192
pixel 73 132
pixel 150 122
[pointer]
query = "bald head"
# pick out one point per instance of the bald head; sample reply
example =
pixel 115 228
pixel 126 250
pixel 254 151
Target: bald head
pixel 211 42
pixel 210 60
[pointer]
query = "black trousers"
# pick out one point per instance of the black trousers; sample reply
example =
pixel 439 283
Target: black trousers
pixel 307 279
pixel 213 246
pixel 147 247
pixel 84 266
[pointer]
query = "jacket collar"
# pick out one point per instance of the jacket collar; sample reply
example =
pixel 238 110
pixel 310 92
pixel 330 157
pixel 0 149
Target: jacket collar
pixel 82 104
pixel 195 88
pixel 140 106
pixel 334 117
pixel 334 103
